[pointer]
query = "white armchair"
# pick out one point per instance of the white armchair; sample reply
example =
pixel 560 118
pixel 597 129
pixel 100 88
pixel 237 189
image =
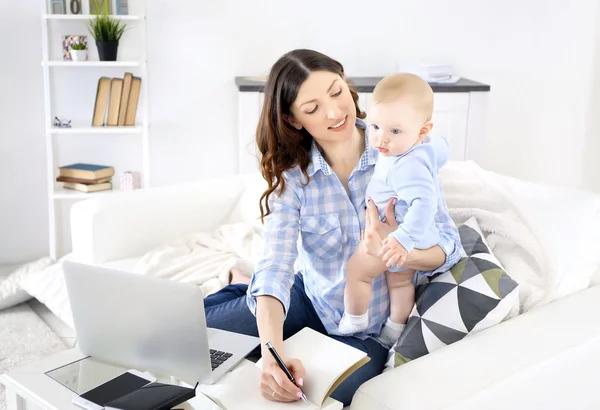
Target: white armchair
pixel 548 358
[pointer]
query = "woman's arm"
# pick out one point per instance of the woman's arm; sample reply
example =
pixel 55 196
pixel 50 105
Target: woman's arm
pixel 376 231
pixel 269 290
pixel 270 317
pixel 274 272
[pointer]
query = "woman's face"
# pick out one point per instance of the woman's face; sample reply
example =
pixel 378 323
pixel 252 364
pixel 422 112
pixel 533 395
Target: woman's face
pixel 324 107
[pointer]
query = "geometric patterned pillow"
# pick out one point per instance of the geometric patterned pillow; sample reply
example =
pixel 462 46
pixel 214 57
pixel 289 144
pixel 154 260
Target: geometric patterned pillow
pixel 472 296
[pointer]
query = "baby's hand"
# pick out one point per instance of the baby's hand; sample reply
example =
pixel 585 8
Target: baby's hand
pixel 392 252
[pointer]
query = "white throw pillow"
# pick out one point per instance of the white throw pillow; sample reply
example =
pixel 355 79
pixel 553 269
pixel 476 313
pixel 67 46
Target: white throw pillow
pixel 247 209
pixel 567 223
pixel 11 293
pixel 48 285
pixel 596 278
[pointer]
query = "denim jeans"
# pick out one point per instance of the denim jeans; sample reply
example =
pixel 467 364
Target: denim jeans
pixel 227 310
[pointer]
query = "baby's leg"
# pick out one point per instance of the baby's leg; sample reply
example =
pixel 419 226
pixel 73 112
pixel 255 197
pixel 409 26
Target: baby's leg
pixel 402 294
pixel 402 298
pixel 361 270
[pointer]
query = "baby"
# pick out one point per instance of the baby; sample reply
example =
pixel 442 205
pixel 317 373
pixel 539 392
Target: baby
pixel 407 169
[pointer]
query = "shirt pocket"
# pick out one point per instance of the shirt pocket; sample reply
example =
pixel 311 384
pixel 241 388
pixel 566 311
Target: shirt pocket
pixel 322 235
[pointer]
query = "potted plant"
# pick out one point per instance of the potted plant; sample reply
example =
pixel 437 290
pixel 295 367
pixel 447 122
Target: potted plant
pixel 107 32
pixel 78 51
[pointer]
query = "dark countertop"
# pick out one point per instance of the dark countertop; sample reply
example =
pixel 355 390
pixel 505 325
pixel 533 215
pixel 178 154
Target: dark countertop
pixel 367 84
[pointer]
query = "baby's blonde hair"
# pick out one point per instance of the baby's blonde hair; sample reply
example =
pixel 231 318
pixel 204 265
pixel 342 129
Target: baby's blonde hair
pixel 405 85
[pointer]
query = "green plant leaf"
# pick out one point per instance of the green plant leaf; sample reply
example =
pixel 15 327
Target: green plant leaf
pixel 104 27
pixel 77 46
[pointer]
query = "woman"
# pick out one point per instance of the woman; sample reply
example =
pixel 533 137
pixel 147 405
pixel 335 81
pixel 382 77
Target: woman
pixel 317 163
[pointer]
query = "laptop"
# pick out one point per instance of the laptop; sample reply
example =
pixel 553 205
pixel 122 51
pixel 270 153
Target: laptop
pixel 149 324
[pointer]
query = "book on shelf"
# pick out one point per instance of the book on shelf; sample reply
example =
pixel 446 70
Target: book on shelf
pixel 116 87
pixel 134 95
pixel 124 98
pixel 100 106
pixel 83 180
pixel 86 177
pixel 86 171
pixel 327 362
pixel 116 101
pixel 105 186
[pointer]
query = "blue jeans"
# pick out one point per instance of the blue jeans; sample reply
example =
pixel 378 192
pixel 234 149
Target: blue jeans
pixel 227 310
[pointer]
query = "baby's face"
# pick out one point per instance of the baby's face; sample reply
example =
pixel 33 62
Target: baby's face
pixel 395 127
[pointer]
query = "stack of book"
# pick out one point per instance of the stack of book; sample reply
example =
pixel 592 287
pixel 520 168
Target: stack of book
pixel 116 101
pixel 86 177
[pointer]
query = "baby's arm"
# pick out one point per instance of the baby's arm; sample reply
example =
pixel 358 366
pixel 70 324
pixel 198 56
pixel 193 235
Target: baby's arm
pixel 442 150
pixel 412 180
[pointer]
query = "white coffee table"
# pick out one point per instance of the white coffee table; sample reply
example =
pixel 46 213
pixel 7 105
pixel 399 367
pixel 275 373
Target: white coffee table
pixel 30 388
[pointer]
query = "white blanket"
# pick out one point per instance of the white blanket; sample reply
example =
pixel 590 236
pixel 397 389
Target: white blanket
pixel 205 259
pixel 472 191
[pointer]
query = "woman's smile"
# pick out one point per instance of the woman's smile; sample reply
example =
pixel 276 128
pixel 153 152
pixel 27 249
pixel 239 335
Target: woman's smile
pixel 340 125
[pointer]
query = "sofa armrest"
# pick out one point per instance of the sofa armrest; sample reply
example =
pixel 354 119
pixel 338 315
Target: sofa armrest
pixel 128 224
pixel 555 348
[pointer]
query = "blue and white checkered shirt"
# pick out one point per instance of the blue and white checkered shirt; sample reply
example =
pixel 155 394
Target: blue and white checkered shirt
pixel 329 223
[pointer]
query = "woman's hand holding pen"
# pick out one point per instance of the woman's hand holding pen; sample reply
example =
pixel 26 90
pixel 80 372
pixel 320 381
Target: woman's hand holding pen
pixel 274 384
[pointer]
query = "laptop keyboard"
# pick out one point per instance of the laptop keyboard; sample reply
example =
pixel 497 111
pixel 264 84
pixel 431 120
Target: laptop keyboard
pixel 217 357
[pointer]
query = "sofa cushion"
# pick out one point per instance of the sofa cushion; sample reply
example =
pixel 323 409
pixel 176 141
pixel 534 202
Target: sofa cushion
pixel 475 294
pixel 567 225
pixel 47 284
pixel 247 209
pixel 11 293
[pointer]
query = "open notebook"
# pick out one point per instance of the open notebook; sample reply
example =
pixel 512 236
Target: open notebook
pixel 327 363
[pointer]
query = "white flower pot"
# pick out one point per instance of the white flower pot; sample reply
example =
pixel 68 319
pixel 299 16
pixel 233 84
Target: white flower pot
pixel 78 55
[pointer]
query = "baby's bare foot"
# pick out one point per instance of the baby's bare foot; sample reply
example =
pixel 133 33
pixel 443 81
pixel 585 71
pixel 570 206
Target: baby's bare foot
pixel 237 276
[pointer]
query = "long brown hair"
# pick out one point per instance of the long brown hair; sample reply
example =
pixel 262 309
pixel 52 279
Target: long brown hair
pixel 282 146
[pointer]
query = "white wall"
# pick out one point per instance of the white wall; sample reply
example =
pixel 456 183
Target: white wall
pixel 23 211
pixel 591 163
pixel 538 56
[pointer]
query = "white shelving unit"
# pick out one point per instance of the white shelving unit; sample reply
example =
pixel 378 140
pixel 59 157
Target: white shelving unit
pixel 83 17
pixel 97 64
pixel 97 130
pixel 52 65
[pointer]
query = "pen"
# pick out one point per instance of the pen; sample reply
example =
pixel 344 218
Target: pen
pixel 284 367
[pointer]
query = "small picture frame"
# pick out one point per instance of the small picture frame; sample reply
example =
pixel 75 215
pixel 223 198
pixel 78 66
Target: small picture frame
pixel 122 7
pixel 58 7
pixel 69 40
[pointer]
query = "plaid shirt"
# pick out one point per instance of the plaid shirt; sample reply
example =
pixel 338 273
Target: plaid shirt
pixel 329 223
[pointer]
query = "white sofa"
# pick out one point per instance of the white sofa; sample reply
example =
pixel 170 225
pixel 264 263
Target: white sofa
pixel 545 359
